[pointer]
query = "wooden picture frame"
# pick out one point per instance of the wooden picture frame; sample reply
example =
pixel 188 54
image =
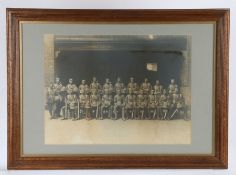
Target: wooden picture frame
pixel 18 161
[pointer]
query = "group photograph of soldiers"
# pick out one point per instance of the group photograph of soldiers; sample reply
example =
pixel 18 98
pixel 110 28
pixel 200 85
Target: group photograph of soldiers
pixel 98 101
pixel 117 89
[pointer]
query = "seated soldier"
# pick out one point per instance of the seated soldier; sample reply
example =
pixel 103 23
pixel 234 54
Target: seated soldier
pixel 71 105
pixel 141 103
pixel 129 105
pixel 118 103
pixel 95 102
pixel 164 105
pixel 57 101
pixel 82 102
pixel 87 107
pixel 152 105
pixel 106 104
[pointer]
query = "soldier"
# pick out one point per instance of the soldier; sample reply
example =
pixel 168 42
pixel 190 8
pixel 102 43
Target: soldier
pixel 141 102
pixel 50 89
pixel 132 86
pixel 87 106
pixel 50 99
pixel 157 89
pixel 94 86
pixel 107 86
pixel 173 103
pixel 119 86
pixel 57 99
pixel 71 86
pixel 129 105
pixel 63 95
pixel 180 106
pixel 106 104
pixel 110 88
pixel 57 85
pixel 71 107
pixel 82 102
pixel 172 87
pixel 83 88
pixel 152 105
pixel 95 102
pixel 146 86
pixel 164 105
pixel 118 104
pixel 174 96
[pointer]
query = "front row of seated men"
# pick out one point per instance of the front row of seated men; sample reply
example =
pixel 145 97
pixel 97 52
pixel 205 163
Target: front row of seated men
pixel 132 102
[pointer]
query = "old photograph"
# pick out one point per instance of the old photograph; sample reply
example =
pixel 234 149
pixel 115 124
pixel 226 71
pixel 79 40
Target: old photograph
pixel 117 89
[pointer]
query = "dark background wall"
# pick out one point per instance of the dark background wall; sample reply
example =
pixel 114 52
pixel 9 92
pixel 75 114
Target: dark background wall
pixel 112 64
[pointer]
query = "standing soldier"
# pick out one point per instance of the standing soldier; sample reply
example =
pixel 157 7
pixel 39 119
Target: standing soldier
pixel 172 87
pixel 110 88
pixel 57 85
pixel 141 102
pixel 71 86
pixel 157 89
pixel 146 86
pixel 119 104
pixel 119 86
pixel 50 99
pixel 57 102
pixel 132 86
pixel 106 86
pixel 94 86
pixel 83 87
pixel 129 105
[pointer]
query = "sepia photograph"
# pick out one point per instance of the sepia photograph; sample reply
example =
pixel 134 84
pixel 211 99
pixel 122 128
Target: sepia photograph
pixel 117 89
pixel 101 89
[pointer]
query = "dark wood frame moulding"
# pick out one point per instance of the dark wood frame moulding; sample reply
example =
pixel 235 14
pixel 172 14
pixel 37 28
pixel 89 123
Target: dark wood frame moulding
pixel 218 160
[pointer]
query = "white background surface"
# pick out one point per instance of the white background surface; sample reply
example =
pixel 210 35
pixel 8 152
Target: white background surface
pixel 118 4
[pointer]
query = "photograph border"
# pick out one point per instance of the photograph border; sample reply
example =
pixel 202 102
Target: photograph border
pixel 15 158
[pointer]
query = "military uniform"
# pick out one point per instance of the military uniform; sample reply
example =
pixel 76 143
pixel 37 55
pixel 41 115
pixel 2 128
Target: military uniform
pixel 146 87
pixel 130 104
pixel 118 103
pixel 157 89
pixel 72 106
pixel 141 102
pixel 95 102
pixel 106 103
